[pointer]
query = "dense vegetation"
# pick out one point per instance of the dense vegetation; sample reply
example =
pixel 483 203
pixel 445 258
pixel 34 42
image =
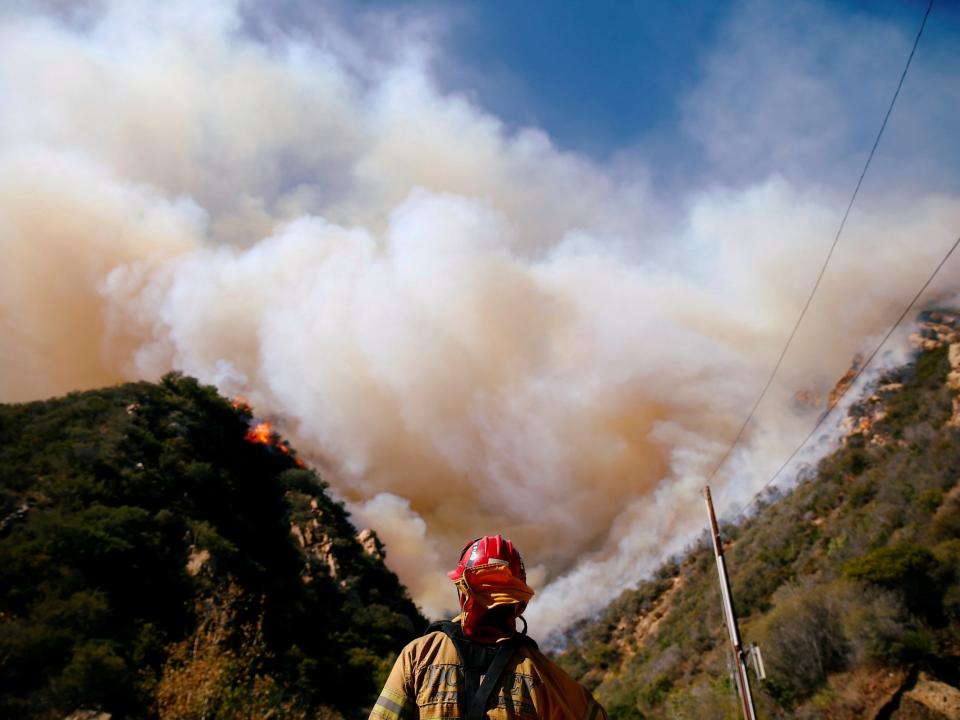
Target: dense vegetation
pixel 147 566
pixel 850 583
pixel 156 564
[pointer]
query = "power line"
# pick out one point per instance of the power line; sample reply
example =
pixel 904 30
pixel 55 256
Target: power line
pixel 826 261
pixel 856 376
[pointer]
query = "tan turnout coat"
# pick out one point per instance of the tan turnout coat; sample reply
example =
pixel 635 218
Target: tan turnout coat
pixel 426 682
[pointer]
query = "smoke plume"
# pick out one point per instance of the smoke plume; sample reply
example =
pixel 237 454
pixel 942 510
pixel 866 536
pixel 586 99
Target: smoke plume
pixel 471 330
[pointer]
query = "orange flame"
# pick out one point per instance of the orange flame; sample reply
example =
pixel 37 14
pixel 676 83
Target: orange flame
pixel 261 433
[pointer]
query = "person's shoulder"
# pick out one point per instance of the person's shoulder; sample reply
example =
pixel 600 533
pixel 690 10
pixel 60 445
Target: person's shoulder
pixel 430 638
pixel 433 646
pixel 419 644
pixel 438 632
pixel 559 683
pixel 532 653
pixel 546 667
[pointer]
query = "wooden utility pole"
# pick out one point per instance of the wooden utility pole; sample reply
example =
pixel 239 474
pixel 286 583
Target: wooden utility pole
pixel 739 658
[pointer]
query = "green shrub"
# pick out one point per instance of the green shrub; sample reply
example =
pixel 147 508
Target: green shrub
pixel 624 711
pixel 946 522
pixel 95 676
pixel 656 691
pixel 803 641
pixel 909 569
pixel 708 698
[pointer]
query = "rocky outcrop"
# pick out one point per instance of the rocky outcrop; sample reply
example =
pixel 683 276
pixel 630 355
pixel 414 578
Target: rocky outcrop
pixel 863 416
pixel 197 560
pixel 939 328
pixel 844 383
pixel 861 694
pixel 311 537
pixel 953 382
pixel 315 543
pixel 371 544
pixel 936 328
pixel 19 514
pixel 929 700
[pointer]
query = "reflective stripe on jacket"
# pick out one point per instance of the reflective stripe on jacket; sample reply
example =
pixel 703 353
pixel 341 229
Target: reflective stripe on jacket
pixel 427 680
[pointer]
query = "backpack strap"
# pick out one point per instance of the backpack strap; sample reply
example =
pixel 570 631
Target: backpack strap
pixel 477 694
pixel 445 626
pixel 477 706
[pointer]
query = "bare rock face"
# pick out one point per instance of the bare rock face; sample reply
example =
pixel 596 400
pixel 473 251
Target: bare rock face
pixel 371 544
pixel 315 542
pixel 953 382
pixel 88 715
pixel 929 700
pixel 19 514
pixel 937 327
pixel 844 383
pixel 861 694
pixel 197 560
pixel 861 419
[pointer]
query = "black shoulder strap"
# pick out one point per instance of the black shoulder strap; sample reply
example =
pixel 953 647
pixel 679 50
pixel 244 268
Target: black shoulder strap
pixel 444 626
pixel 476 706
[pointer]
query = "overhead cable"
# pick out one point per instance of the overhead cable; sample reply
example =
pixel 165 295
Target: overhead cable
pixel 856 376
pixel 826 261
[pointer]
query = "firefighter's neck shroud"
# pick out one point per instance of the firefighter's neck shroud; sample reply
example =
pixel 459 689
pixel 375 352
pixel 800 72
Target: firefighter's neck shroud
pixel 491 598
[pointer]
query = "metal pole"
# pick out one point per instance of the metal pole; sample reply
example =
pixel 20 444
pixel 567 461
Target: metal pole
pixel 739 659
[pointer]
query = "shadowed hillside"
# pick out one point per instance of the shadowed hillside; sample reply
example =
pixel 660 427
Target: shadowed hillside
pixel 850 583
pixel 155 561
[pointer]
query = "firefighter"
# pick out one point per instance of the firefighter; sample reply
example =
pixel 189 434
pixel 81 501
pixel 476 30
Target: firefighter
pixel 478 665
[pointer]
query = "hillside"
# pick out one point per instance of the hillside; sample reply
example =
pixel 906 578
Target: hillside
pixel 161 556
pixel 849 583
pixel 159 559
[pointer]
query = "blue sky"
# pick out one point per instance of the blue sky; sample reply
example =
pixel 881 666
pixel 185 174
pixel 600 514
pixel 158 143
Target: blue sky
pixel 602 75
pixel 596 77
pixel 630 83
pixel 616 80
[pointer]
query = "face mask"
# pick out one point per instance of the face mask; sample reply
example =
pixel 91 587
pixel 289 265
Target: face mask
pixel 485 587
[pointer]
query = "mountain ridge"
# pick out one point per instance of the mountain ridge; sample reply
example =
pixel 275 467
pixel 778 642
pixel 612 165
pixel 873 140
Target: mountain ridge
pixel 155 561
pixel 849 582
pixel 164 555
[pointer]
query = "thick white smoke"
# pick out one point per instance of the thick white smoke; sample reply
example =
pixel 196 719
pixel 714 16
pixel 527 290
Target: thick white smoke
pixel 471 330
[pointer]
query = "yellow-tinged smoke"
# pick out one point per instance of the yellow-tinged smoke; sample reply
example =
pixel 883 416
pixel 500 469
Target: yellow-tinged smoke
pixel 473 331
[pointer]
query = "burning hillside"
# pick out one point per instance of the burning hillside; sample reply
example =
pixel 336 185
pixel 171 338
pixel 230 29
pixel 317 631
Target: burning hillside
pixel 189 564
pixel 261 432
pixel 849 583
pixel 937 330
pixel 477 329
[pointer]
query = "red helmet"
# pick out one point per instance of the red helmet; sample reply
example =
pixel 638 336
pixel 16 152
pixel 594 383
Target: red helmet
pixel 489 550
